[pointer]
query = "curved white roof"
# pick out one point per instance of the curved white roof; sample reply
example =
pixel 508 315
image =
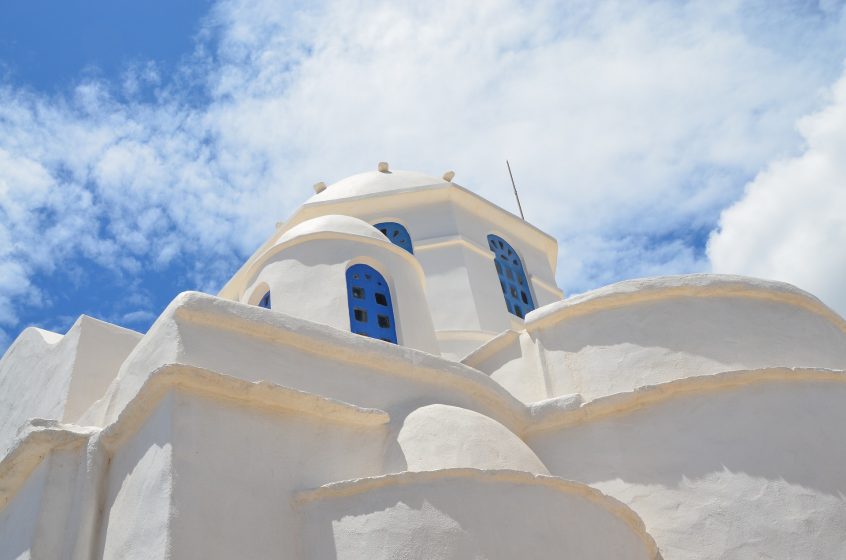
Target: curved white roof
pixel 375 182
pixel 440 436
pixel 332 223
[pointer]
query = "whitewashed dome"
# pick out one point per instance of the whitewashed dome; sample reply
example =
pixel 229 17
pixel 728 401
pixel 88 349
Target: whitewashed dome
pixel 332 223
pixel 440 436
pixel 375 182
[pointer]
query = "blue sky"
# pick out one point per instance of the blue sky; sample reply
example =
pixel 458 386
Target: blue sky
pixel 148 148
pixel 50 45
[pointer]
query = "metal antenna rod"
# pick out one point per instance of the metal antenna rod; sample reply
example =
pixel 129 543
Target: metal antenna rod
pixel 517 196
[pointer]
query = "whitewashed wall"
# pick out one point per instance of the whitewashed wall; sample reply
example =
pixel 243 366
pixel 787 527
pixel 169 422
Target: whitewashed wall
pixel 734 472
pixel 308 280
pixel 58 377
pixel 485 515
pixel 644 332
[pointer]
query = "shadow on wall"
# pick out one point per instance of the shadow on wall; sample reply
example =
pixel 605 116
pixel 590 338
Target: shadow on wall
pixel 138 488
pixel 788 431
pixel 726 330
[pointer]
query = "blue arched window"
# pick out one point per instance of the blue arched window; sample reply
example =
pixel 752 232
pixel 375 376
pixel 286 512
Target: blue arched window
pixel 512 278
pixel 369 301
pixel 265 301
pixel 396 234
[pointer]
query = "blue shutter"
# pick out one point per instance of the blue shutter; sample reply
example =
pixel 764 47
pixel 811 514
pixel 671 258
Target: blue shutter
pixel 396 234
pixel 512 278
pixel 369 302
pixel 265 301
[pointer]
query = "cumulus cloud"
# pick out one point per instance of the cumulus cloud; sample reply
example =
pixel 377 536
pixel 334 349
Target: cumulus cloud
pixel 790 224
pixel 630 126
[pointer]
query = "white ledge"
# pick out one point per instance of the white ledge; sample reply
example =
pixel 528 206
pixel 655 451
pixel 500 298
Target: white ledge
pixel 491 347
pixel 569 410
pixel 201 381
pixel 34 441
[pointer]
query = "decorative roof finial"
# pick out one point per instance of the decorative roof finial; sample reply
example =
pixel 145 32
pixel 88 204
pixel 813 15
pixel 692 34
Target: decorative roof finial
pixel 383 167
pixel 319 187
pixel 448 176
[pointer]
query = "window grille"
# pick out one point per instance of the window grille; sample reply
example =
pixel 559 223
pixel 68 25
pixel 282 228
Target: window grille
pixel 396 234
pixel 512 277
pixel 369 301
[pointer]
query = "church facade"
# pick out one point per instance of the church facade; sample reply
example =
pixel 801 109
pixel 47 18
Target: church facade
pixel 396 374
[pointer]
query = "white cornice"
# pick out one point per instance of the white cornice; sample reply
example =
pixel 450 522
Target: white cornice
pixel 563 412
pixel 35 440
pixel 452 240
pixel 202 381
pixel 494 345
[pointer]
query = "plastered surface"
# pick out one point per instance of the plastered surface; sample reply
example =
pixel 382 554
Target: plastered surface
pixel 439 437
pixel 58 377
pixel 744 472
pixel 469 514
pixel 650 331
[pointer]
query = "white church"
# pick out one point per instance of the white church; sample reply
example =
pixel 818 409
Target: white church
pixel 395 374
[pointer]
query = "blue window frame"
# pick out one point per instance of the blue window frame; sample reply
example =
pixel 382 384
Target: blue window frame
pixel 369 302
pixel 512 277
pixel 265 301
pixel 396 234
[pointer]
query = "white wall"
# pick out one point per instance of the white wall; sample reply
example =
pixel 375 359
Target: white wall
pixel 236 469
pixel 360 384
pixel 514 360
pixel 457 303
pixel 139 508
pixel 34 379
pixel 618 350
pixel 19 518
pixel 55 377
pixel 42 520
pixel 735 473
pixel 102 348
pixel 59 527
pixel 486 515
pixel 308 280
pixel 651 331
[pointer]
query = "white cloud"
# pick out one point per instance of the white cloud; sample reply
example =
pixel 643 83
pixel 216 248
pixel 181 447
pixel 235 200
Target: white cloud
pixel 624 123
pixel 790 224
pixel 628 126
pixel 137 316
